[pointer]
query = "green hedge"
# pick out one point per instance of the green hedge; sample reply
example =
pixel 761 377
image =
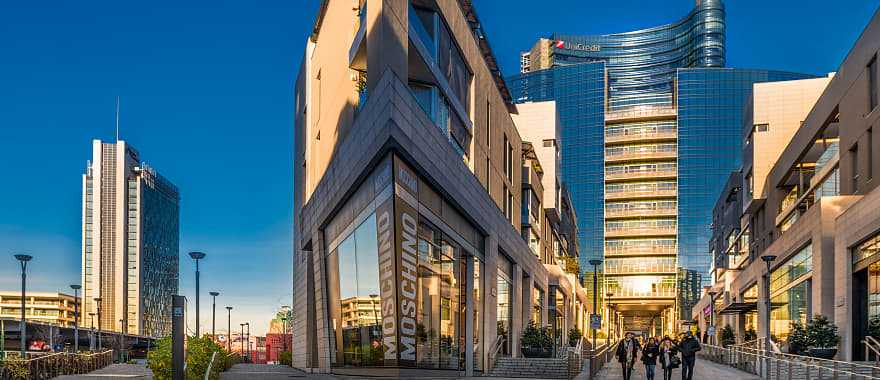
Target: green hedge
pixel 198 356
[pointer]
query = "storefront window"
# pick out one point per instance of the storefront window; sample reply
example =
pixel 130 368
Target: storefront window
pixel 478 315
pixel 867 249
pixel 437 329
pixel 356 323
pixel 789 307
pixel 795 267
pixel 537 306
pixel 504 311
pixel 873 291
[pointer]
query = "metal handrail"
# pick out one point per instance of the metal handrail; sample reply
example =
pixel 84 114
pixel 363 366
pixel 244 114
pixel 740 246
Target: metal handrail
pixel 493 352
pixel 874 345
pixel 763 362
pixel 210 366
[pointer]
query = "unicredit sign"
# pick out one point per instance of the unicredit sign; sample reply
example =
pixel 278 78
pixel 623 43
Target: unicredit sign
pixel 560 44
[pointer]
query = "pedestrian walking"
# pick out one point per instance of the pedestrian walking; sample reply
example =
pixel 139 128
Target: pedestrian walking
pixel 627 352
pixel 649 357
pixel 688 348
pixel 668 357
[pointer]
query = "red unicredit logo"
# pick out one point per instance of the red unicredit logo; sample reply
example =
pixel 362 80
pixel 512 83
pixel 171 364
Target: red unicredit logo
pixel 560 44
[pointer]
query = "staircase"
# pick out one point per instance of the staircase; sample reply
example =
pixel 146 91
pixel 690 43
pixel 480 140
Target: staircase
pixel 539 368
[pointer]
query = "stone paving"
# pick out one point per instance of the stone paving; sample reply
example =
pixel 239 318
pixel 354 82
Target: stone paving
pixel 703 370
pixel 262 371
pixel 114 371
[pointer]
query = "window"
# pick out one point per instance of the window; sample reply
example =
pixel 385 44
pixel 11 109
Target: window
pixel 872 84
pixel 870 148
pixel 854 166
pixel 506 201
pixel 762 127
pixel 508 159
pixel 549 143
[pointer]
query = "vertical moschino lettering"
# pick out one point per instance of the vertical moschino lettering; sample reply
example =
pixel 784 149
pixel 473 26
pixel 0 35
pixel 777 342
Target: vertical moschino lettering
pixel 406 228
pixel 387 282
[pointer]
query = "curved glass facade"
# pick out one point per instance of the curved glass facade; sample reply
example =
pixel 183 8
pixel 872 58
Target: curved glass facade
pixel 642 64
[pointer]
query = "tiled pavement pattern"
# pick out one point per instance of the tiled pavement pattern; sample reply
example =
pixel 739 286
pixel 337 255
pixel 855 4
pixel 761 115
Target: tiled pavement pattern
pixel 704 370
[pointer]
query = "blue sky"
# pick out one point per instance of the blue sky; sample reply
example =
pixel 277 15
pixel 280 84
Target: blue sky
pixel 206 89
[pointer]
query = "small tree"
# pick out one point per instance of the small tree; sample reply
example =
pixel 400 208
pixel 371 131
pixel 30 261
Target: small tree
pixel 727 336
pixel 535 337
pixel 750 335
pixel 798 339
pixel 822 333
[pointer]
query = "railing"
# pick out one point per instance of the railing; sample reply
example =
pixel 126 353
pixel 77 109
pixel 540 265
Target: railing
pixel 494 351
pixel 613 136
pixel 615 174
pixel 597 357
pixel 210 365
pixel 772 365
pixel 640 112
pixel 872 345
pixel 53 365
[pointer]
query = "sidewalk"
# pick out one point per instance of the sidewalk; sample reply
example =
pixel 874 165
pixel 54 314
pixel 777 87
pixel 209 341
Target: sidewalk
pixel 703 370
pixel 114 371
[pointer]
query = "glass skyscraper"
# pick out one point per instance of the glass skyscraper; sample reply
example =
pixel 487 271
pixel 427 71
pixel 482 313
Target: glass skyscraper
pixel 651 128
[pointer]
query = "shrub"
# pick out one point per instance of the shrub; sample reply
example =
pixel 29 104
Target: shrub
pixel 574 335
pixel 537 337
pixel 15 369
pixel 285 358
pixel 798 339
pixel 198 356
pixel 727 336
pixel 750 335
pixel 822 333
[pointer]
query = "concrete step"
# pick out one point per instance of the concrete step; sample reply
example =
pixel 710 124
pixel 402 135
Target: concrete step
pixel 546 368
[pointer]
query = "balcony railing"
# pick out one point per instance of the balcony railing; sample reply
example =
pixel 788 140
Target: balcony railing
pixel 640 173
pixel 621 136
pixel 640 211
pixel 648 152
pixel 640 112
pixel 663 292
pixel 639 193
pixel 644 267
pixel 640 250
pixel 639 231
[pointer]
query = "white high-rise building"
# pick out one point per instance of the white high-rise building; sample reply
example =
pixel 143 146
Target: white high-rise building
pixel 130 242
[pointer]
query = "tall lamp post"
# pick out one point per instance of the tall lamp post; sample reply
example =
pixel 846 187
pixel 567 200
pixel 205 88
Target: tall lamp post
pixel 608 320
pixel 241 344
pixel 768 259
pixel 229 329
pixel 92 332
pixel 76 289
pixel 712 317
pixel 214 315
pixel 98 306
pixel 248 339
pixel 595 263
pixel 23 260
pixel 196 256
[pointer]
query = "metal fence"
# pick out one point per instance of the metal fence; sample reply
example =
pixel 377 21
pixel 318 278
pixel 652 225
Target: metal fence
pixel 595 359
pixel 52 365
pixel 775 365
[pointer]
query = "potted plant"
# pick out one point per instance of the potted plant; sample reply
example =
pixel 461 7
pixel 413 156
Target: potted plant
pixel 798 339
pixel 750 335
pixel 823 337
pixel 536 342
pixel 574 335
pixel 873 327
pixel 727 336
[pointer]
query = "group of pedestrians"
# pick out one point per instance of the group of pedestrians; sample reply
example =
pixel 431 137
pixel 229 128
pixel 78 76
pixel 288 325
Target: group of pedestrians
pixel 654 349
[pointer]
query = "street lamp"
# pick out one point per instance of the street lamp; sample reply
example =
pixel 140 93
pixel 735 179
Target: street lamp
pixel 23 260
pixel 768 259
pixel 240 343
pixel 248 339
pixel 214 315
pixel 76 289
pixel 712 294
pixel 92 332
pixel 595 263
pixel 229 328
pixel 98 306
pixel 608 321
pixel 196 256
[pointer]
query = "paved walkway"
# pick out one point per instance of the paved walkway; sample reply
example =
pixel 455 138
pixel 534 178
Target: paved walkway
pixel 703 370
pixel 261 371
pixel 114 371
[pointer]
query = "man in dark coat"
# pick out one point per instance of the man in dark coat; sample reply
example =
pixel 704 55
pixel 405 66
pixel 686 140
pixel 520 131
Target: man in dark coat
pixel 688 348
pixel 627 352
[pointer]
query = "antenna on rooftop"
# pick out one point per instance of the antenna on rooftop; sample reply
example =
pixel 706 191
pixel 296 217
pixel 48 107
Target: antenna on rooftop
pixel 117 118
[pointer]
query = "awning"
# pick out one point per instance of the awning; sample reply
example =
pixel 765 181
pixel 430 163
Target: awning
pixel 739 308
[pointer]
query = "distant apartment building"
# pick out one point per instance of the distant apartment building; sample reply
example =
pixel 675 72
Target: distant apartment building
pixel 130 241
pixel 815 213
pixel 43 307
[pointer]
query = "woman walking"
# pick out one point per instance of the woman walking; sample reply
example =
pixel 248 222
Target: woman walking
pixel 649 357
pixel 668 357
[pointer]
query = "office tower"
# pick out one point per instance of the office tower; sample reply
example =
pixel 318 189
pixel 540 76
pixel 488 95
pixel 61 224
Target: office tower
pixel 650 123
pixel 131 235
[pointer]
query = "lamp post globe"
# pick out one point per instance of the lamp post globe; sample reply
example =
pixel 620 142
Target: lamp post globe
pixel 196 256
pixel 23 260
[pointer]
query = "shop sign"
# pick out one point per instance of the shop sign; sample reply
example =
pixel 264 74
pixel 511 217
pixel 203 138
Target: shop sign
pixel 560 44
pixel 406 227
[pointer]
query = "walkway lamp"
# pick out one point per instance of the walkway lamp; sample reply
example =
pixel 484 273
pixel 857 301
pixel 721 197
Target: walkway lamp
pixel 229 328
pixel 768 259
pixel 595 263
pixel 214 315
pixel 76 289
pixel 196 256
pixel 23 260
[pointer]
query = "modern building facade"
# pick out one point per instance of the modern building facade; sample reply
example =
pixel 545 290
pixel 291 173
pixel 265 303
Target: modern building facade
pixel 815 215
pixel 131 238
pixel 656 112
pixel 50 308
pixel 409 199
